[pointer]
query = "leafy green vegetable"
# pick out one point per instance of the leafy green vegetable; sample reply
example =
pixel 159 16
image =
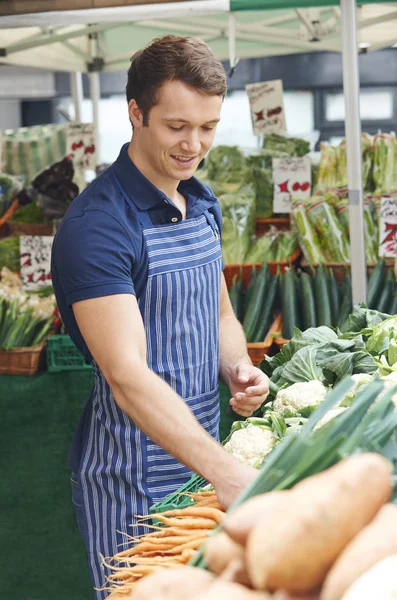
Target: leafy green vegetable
pixel 290 145
pixel 10 253
pixel 30 213
pixel 226 164
pixel 238 224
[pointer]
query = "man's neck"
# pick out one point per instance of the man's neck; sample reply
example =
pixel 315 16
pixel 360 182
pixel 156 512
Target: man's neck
pixel 170 188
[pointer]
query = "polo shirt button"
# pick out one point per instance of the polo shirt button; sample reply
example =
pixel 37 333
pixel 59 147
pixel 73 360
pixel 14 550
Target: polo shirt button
pixel 174 219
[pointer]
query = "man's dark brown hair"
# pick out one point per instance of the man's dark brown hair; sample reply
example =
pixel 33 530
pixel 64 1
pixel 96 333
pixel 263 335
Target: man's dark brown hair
pixel 186 59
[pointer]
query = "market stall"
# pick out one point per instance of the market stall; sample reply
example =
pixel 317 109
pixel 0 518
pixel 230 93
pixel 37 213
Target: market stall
pixel 293 282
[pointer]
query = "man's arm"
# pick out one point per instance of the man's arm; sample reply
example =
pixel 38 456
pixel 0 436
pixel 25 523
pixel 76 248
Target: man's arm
pixel 113 330
pixel 248 385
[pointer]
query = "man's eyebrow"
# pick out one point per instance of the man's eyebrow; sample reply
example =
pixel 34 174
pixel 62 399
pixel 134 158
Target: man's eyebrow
pixel 176 120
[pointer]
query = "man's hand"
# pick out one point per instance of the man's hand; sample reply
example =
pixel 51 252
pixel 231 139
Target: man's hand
pixel 233 483
pixel 250 388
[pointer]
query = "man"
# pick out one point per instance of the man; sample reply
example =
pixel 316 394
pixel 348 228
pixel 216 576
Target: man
pixel 137 271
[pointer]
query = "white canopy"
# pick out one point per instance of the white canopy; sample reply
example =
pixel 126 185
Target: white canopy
pixel 63 40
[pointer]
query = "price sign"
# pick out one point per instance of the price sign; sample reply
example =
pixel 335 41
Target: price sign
pixel 388 227
pixel 291 177
pixel 80 145
pixel 267 106
pixel 35 261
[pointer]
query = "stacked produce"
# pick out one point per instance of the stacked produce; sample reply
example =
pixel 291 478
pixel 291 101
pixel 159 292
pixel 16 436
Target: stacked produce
pixel 275 245
pixel 310 300
pixel 323 228
pixel 170 544
pixel 25 319
pixel 10 255
pixel 307 525
pixel 379 165
pixel 255 306
pixel 237 222
pixel 227 165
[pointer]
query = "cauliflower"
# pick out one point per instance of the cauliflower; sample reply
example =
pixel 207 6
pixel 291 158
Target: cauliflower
pixel 251 444
pixel 331 414
pixel 389 381
pixel 300 395
pixel 360 381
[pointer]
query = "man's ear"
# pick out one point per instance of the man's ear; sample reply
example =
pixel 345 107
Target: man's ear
pixel 135 114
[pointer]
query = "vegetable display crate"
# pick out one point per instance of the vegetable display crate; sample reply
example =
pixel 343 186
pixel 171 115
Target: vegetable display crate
pixel 340 270
pixel 245 270
pixel 263 225
pixel 179 499
pixel 22 361
pixel 258 350
pixel 62 355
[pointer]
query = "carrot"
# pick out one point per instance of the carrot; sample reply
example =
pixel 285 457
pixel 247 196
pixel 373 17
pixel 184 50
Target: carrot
pixel 294 548
pixel 374 543
pixel 193 511
pixel 192 523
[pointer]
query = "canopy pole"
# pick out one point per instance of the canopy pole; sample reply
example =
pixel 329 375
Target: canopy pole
pixel 76 85
pixel 95 98
pixel 351 88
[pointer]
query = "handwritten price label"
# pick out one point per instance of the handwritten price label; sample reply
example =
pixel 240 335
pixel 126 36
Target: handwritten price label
pixel 267 107
pixel 35 261
pixel 388 227
pixel 291 177
pixel 80 145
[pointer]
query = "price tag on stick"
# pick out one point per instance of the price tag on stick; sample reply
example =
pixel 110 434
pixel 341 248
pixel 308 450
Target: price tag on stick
pixel 291 177
pixel 388 227
pixel 80 145
pixel 267 107
pixel 35 261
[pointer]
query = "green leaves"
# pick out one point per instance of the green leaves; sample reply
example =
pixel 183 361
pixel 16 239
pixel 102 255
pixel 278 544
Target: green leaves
pixel 18 326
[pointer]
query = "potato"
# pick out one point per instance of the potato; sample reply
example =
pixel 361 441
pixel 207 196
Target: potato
pixel 172 584
pixel 295 547
pixel 220 552
pixel 240 522
pixel 374 543
pixel 379 583
pixel 222 590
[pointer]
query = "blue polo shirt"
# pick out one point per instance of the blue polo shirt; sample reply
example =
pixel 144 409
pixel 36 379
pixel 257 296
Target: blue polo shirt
pixel 99 248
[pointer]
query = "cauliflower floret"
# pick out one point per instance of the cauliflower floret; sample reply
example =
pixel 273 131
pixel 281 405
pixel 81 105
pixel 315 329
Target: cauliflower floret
pixel 300 395
pixel 389 381
pixel 251 445
pixel 360 381
pixel 331 414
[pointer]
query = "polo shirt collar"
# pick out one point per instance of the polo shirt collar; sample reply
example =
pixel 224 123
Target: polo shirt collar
pixel 146 195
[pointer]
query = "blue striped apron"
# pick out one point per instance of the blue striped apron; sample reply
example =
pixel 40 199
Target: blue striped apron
pixel 122 472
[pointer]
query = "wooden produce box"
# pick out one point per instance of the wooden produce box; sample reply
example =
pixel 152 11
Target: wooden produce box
pixel 258 350
pixel 245 270
pixel 263 225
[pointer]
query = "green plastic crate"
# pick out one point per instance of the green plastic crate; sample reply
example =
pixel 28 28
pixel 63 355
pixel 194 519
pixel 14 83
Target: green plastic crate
pixel 62 355
pixel 177 499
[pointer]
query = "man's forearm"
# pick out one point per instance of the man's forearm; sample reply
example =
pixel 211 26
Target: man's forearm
pixel 166 419
pixel 233 346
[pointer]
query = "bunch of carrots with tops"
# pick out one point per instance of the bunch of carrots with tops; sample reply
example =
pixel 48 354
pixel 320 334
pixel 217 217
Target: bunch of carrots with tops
pixel 172 545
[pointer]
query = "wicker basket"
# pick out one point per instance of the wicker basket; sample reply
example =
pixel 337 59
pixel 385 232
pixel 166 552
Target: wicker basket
pixel 13 228
pixel 22 361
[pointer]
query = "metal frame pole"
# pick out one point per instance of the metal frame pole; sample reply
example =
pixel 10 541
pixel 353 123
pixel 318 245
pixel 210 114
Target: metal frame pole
pixel 351 88
pixel 76 86
pixel 95 91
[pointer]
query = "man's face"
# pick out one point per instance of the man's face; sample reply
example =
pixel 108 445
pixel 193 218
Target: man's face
pixel 180 131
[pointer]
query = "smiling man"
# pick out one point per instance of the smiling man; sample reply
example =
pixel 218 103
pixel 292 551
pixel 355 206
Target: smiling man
pixel 137 272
